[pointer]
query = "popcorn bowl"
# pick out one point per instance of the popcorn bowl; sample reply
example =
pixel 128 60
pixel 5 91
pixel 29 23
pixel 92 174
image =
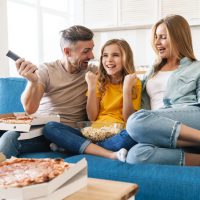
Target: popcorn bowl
pixel 99 131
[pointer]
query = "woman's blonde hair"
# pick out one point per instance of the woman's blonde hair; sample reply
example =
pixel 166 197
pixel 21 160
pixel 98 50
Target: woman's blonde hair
pixel 127 61
pixel 179 37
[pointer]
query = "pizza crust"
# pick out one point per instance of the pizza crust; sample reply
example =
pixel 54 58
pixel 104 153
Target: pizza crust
pixel 20 172
pixel 17 120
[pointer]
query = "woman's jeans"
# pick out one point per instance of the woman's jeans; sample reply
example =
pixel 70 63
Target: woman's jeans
pixel 156 133
pixel 72 140
pixel 11 146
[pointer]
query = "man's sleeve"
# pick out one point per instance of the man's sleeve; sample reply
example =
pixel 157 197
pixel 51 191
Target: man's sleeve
pixel 43 76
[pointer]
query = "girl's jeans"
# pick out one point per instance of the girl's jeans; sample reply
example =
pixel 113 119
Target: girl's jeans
pixel 156 133
pixel 73 141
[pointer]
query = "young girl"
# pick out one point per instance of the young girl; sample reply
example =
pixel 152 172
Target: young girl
pixel 113 95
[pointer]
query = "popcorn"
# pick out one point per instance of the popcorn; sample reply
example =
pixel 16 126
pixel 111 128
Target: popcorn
pixel 99 134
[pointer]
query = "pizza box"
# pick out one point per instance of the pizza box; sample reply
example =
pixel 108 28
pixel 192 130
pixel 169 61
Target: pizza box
pixel 35 131
pixel 37 120
pixel 74 184
pixel 56 189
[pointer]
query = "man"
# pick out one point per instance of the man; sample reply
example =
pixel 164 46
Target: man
pixel 54 88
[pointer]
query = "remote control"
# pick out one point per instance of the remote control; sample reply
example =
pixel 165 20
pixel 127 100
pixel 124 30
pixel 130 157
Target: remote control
pixel 12 55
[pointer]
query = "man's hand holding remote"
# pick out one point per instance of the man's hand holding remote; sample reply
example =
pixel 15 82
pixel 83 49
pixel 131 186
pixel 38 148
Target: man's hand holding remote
pixel 27 70
pixel 24 68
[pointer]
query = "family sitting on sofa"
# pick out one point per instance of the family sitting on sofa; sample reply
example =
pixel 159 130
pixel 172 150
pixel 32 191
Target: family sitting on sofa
pixel 159 134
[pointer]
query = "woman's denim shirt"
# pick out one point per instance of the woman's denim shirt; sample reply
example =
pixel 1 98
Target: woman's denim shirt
pixel 183 86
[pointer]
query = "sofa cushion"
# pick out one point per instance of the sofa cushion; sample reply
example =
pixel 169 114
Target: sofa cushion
pixel 155 181
pixel 10 93
pixel 45 155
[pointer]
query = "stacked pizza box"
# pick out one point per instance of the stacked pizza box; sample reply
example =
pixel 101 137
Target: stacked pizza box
pixel 28 128
pixel 71 180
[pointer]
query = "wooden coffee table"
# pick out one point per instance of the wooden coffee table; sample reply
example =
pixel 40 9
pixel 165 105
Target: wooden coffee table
pixel 99 189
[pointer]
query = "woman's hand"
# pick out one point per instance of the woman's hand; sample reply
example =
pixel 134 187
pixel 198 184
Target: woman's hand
pixel 130 81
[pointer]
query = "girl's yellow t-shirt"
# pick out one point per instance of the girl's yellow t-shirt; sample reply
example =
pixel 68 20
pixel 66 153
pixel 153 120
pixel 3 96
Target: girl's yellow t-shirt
pixel 111 102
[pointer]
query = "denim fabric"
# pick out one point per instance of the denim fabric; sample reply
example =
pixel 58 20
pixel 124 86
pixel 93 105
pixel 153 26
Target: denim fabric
pixel 157 132
pixel 37 144
pixel 183 87
pixel 147 153
pixel 11 146
pixel 121 140
pixel 66 137
pixel 72 140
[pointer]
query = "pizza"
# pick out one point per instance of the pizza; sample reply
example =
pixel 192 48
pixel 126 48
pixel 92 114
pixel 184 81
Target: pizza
pixel 20 172
pixel 17 120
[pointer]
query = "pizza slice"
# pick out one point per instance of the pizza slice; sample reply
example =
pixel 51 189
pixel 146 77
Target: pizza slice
pixel 17 120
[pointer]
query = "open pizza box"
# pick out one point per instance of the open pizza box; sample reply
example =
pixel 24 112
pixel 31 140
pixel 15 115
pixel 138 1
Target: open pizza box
pixel 71 180
pixel 28 130
pixel 37 120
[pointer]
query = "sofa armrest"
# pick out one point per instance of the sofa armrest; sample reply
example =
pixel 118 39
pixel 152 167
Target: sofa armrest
pixel 10 94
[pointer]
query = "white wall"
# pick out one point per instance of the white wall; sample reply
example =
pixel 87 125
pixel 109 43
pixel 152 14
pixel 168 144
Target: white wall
pixel 196 41
pixel 140 42
pixel 79 12
pixel 4 67
pixel 138 39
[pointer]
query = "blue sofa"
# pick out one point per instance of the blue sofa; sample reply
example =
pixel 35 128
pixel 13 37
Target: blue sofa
pixel 156 182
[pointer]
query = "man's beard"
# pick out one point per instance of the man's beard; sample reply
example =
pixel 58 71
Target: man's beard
pixel 79 66
pixel 82 65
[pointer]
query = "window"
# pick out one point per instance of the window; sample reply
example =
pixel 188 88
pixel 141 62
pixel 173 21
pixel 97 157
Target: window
pixel 33 27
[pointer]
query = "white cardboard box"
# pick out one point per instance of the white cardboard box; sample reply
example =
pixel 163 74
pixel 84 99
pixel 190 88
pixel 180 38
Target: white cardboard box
pixel 56 189
pixel 74 184
pixel 35 131
pixel 37 120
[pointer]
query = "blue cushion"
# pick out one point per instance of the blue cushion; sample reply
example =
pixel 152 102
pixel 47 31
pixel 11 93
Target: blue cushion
pixel 155 182
pixel 50 154
pixel 10 93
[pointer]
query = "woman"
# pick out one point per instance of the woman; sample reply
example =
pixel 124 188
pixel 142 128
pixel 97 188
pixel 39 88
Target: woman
pixel 172 91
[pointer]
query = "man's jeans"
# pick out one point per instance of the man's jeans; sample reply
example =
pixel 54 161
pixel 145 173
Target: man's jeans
pixel 11 146
pixel 156 133
pixel 73 141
